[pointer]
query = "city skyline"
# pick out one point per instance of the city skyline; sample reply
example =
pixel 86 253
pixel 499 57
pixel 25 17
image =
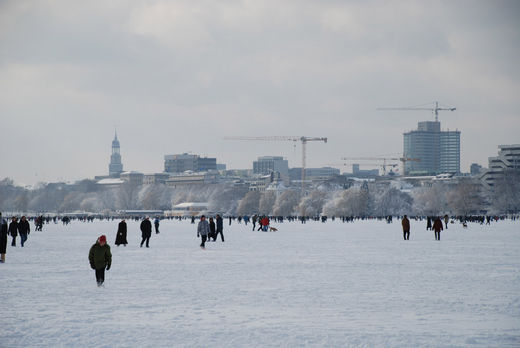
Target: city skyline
pixel 178 77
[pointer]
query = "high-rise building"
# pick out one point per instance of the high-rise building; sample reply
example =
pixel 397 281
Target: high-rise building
pixel 183 162
pixel 437 151
pixel 271 164
pixel 115 168
pixel 450 152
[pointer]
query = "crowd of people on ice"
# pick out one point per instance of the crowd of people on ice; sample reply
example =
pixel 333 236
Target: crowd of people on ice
pixel 100 256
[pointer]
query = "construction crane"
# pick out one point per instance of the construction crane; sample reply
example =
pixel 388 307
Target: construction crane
pixel 435 110
pixel 303 140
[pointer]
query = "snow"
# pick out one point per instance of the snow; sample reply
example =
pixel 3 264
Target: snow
pixel 337 285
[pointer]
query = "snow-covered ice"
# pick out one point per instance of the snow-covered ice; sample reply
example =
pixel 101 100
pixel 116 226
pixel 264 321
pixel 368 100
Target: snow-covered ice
pixel 334 284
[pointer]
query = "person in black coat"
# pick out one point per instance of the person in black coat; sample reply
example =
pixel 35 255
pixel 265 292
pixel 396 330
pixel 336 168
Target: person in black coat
pixel 146 231
pixel 121 233
pixel 24 229
pixel 220 227
pixel 13 230
pixel 212 233
pixel 3 238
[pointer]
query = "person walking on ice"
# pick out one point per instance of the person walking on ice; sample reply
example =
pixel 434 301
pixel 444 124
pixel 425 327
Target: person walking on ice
pixel 3 238
pixel 406 228
pixel 437 227
pixel 100 258
pixel 121 233
pixel 220 228
pixel 203 231
pixel 146 231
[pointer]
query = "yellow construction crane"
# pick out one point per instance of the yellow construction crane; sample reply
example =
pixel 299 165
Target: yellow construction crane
pixel 435 109
pixel 303 140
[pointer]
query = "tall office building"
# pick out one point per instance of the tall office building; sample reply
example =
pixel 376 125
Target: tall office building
pixel 450 152
pixel 115 168
pixel 271 164
pixel 437 151
pixel 183 162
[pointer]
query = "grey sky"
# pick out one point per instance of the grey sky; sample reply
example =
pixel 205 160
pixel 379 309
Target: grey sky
pixel 178 76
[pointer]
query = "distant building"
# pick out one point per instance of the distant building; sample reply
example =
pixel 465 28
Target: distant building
pixel 508 159
pixel 437 151
pixel 450 152
pixel 271 164
pixel 364 173
pixel 155 178
pixel 115 167
pixel 295 174
pixel 475 169
pixel 110 182
pixel 184 162
pixel 134 178
pixel 221 166
pixel 191 179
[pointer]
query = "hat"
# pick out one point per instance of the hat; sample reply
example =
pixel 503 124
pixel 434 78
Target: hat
pixel 103 239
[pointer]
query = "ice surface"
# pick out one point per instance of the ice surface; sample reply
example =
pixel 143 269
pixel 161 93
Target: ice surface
pixel 334 284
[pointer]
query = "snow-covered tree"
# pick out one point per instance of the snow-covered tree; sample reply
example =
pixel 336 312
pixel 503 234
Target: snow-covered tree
pixel 312 205
pixel 286 203
pixel 249 204
pixel 267 201
pixel 393 202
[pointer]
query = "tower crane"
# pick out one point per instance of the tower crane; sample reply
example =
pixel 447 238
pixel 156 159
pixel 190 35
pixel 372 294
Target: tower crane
pixel 302 139
pixel 435 110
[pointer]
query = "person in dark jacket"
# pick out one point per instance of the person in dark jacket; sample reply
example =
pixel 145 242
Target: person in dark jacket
pixel 437 227
pixel 406 228
pixel 24 229
pixel 121 233
pixel 212 234
pixel 146 231
pixel 429 224
pixel 220 227
pixel 100 258
pixel 3 238
pixel 156 224
pixel 13 230
pixel 203 231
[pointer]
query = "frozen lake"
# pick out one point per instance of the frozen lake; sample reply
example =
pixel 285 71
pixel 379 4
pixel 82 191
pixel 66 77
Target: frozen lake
pixel 334 284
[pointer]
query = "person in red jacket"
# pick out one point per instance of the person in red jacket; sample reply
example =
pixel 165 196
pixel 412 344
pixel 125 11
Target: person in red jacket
pixel 437 227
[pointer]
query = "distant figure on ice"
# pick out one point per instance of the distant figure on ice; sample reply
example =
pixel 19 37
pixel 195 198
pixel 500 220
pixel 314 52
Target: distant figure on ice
pixel 100 258
pixel 156 224
pixel 121 233
pixel 255 217
pixel 406 228
pixel 3 238
pixel 146 231
pixel 203 231
pixel 220 227
pixel 437 227
pixel 13 230
pixel 212 231
pixel 446 220
pixel 24 229
pixel 429 224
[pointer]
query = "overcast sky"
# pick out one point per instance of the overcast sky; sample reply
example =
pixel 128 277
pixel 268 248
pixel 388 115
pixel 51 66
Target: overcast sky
pixel 178 76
